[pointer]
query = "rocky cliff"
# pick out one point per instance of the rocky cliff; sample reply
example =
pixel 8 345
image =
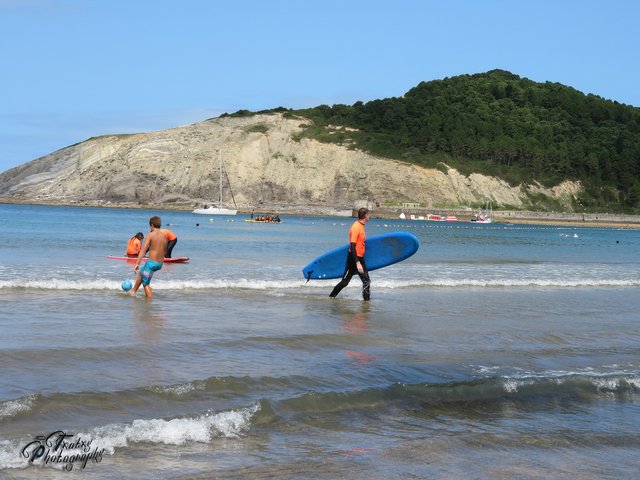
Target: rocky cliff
pixel 267 163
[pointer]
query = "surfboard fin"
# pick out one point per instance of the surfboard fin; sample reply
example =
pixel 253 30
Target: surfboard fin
pixel 308 276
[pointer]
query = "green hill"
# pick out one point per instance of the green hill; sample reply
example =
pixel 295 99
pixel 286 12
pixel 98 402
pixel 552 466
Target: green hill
pixel 500 124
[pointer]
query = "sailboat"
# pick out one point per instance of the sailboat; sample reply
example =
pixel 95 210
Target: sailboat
pixel 217 209
pixel 484 214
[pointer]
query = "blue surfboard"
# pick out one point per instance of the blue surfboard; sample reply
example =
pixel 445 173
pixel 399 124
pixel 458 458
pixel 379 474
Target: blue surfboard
pixel 382 250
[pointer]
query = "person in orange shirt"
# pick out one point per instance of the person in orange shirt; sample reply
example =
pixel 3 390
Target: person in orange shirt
pixel 134 244
pixel 172 239
pixel 355 257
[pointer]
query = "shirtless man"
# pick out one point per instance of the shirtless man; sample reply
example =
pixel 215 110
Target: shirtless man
pixel 156 242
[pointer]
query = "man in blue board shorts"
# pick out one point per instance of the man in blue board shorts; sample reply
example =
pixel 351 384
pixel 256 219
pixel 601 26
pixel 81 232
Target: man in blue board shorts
pixel 156 243
pixel 147 271
pixel 355 257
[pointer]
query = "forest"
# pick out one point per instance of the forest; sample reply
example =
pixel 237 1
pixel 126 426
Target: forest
pixel 499 124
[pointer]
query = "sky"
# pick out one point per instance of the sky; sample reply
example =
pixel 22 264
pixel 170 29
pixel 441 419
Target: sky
pixel 74 69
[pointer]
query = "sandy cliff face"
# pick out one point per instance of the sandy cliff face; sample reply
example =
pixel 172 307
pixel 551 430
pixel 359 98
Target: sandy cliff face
pixel 265 163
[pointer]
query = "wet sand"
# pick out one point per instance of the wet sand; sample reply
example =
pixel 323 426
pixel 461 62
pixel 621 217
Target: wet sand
pixel 577 224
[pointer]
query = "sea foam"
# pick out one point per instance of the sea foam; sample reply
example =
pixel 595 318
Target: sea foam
pixel 176 431
pixel 14 407
pixel 251 284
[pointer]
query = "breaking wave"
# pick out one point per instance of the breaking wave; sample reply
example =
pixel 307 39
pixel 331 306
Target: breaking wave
pixel 175 431
pixel 490 392
pixel 249 284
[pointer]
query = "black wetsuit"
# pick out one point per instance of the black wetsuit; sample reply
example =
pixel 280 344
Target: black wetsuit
pixel 170 245
pixel 351 269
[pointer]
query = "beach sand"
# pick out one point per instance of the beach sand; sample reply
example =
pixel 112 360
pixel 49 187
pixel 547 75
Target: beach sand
pixel 576 224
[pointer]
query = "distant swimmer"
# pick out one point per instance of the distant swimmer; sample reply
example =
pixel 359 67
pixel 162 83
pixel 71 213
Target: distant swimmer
pixel 355 257
pixel 134 244
pixel 172 239
pixel 156 244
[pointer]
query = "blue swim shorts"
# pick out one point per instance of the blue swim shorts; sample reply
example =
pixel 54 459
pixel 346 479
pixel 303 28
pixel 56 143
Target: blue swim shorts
pixel 148 270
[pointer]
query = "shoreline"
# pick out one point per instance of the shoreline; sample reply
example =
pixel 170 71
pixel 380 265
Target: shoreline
pixel 514 218
pixel 567 223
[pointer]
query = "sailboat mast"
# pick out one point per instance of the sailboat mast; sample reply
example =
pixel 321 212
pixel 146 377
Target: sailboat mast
pixel 220 198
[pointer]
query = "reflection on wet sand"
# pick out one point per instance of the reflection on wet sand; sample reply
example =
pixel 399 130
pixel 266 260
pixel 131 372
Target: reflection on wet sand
pixel 356 322
pixel 149 321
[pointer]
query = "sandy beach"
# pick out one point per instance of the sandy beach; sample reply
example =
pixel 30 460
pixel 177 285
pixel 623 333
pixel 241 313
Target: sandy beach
pixel 578 224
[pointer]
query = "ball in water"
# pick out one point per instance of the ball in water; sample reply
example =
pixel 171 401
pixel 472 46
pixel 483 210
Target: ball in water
pixel 126 285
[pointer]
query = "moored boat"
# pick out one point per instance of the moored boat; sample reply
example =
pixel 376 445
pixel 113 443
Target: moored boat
pixel 213 210
pixel 484 214
pixel 264 219
pixel 217 209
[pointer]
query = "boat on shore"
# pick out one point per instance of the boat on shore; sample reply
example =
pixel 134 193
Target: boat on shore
pixel 218 208
pixel 432 217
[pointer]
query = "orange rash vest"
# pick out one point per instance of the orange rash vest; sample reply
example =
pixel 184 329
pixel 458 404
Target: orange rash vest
pixel 169 234
pixel 357 236
pixel 133 246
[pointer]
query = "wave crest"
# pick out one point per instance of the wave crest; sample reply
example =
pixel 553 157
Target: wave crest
pixel 12 408
pixel 249 284
pixel 175 431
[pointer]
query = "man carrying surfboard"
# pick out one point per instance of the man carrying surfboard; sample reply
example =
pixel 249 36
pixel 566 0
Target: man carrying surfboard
pixel 355 257
pixel 156 243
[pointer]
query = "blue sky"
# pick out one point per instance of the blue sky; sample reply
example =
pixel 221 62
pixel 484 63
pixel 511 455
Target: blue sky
pixel 74 69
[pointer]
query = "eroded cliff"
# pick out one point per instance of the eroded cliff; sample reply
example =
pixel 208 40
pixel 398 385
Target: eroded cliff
pixel 267 163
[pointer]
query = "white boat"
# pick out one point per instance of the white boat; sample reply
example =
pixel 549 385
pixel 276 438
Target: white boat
pixel 213 210
pixel 217 209
pixel 484 214
pixel 481 219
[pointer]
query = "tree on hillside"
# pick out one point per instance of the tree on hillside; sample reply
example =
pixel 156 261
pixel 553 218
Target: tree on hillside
pixel 499 123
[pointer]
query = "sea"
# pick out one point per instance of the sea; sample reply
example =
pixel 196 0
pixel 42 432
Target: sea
pixel 497 351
